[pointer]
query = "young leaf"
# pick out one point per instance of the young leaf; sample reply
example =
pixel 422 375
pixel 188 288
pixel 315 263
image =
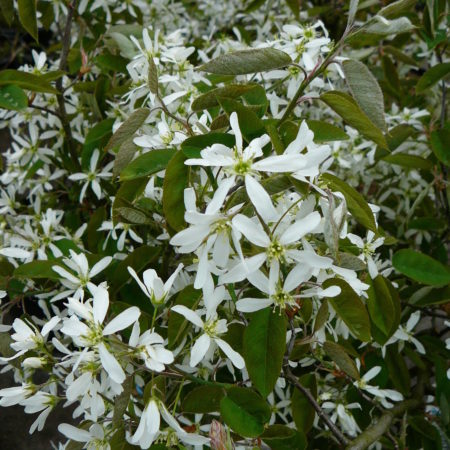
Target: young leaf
pixel 124 156
pixel 147 164
pixel 264 346
pixel 128 128
pixel 355 201
pixel 432 76
pixel 303 412
pixel 421 267
pixel 396 9
pixel 365 90
pixel 247 61
pixel 175 182
pixel 348 109
pixel 338 354
pixel 13 97
pixel 152 76
pixel 350 309
pixel 27 17
pixel 244 411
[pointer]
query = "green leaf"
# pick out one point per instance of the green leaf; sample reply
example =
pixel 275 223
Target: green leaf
pixel 177 324
pixel 326 132
pixel 137 260
pixel 381 309
pixel 355 201
pixel 13 97
pixel 350 309
pixel 175 182
pixel 247 61
pixel 338 354
pixel 421 267
pixel 128 128
pixel 264 346
pixel 27 17
pixel 409 161
pixel 26 81
pixel 249 123
pixel 37 269
pixel 440 145
pixel 348 109
pixel 244 411
pixel 209 99
pixel 127 193
pixel 365 90
pixel 203 400
pixel 281 437
pixel 7 10
pixel 147 164
pixel 303 412
pixel 432 76
pixel 398 370
pixel 322 316
pixel 192 146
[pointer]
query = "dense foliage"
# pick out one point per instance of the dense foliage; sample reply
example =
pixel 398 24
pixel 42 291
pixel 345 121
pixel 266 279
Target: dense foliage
pixel 224 224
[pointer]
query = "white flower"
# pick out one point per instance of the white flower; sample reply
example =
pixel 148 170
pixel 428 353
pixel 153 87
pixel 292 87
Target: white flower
pixel 281 296
pixel 381 394
pixel 367 250
pixel 93 176
pixel 78 263
pixel 404 333
pixel 212 328
pixel 153 287
pixel 148 430
pixel 93 333
pixel 150 347
pixel 95 436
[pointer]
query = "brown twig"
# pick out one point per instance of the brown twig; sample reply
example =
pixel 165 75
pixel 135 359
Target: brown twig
pixel 59 86
pixel 307 393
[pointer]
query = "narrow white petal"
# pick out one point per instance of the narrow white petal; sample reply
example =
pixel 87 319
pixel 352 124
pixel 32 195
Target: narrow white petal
pixel 74 433
pixel 122 321
pixel 261 199
pixel 300 228
pixel 101 265
pixel 100 304
pixel 235 357
pixel 199 349
pixel 252 231
pixel 252 304
pixel 236 130
pixel 110 364
pixel 188 314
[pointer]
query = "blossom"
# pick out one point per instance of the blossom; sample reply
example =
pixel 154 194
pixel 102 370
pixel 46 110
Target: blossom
pixel 93 333
pixel 367 250
pixel 150 347
pixel 404 333
pixel 93 176
pixel 381 394
pixel 212 328
pixel 153 287
pixel 78 263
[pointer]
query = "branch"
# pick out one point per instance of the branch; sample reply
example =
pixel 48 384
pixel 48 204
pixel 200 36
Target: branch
pixel 62 66
pixel 306 392
pixel 375 431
